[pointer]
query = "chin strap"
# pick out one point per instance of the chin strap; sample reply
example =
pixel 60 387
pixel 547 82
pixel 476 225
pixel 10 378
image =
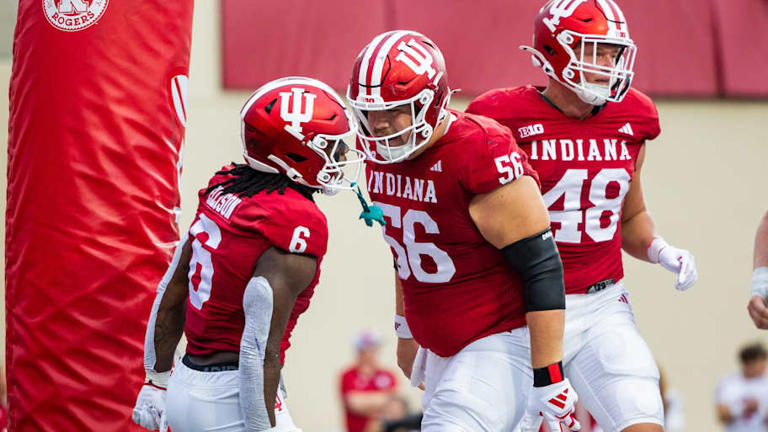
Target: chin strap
pixel 370 212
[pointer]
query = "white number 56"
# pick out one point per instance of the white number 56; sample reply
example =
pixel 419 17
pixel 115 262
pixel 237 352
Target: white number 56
pixel 511 166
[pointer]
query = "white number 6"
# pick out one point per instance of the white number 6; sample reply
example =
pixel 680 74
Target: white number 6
pixel 299 240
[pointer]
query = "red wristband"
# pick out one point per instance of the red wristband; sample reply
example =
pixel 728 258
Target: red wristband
pixel 547 375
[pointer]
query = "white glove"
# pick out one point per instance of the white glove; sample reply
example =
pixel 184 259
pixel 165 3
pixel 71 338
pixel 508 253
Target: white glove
pixel 555 403
pixel 676 260
pixel 149 411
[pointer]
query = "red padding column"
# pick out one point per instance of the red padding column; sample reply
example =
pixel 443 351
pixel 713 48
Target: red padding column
pixel 95 133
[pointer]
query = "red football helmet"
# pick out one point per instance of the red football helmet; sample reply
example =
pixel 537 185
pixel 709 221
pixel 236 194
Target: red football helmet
pixel 296 126
pixel 399 68
pixel 563 31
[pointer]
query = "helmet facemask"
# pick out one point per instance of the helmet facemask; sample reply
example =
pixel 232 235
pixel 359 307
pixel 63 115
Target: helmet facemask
pixel 379 149
pixel 619 75
pixel 338 156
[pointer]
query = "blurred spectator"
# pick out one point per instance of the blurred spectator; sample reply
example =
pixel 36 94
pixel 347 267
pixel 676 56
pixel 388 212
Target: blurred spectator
pixel 742 398
pixel 366 388
pixel 395 417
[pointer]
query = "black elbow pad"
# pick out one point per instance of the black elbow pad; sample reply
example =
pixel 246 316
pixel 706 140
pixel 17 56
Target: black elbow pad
pixel 537 261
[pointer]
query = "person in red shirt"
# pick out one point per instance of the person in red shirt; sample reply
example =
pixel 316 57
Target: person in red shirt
pixel 247 268
pixel 585 134
pixel 476 262
pixel 365 387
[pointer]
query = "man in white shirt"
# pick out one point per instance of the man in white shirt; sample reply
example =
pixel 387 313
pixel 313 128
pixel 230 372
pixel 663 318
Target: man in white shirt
pixel 742 398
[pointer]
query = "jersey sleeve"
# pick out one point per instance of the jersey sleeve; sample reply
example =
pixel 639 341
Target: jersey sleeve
pixel 648 115
pixel 300 229
pixel 495 160
pixel 346 383
pixel 289 222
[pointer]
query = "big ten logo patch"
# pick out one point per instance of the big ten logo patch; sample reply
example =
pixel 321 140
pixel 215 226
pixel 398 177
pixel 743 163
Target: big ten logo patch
pixel 74 15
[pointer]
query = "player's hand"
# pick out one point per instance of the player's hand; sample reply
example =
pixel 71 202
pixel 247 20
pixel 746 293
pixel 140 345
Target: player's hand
pixel 149 411
pixel 758 311
pixel 676 260
pixel 406 354
pixel 555 404
pixel 757 308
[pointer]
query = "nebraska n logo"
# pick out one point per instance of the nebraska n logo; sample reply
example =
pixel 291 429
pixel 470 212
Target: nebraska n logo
pixel 417 58
pixel 292 112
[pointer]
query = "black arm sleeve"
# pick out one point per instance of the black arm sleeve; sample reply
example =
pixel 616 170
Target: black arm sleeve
pixel 537 261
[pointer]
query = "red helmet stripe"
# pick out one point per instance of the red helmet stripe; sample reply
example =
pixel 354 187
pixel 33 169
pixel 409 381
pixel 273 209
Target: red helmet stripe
pixel 366 66
pixel 380 59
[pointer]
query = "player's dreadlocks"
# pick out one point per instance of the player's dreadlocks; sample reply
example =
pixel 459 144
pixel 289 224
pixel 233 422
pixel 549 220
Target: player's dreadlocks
pixel 246 181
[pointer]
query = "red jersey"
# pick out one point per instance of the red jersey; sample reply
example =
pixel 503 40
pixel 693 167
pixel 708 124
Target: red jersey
pixel 585 168
pixel 457 287
pixel 352 381
pixel 228 236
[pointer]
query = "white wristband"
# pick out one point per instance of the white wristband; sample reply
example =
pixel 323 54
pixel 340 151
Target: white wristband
pixel 655 248
pixel 159 379
pixel 760 282
pixel 401 328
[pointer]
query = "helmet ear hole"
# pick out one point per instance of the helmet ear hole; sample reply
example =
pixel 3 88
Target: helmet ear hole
pixel 568 73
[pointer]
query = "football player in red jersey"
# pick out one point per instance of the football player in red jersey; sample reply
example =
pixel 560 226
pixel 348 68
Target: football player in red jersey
pixel 248 267
pixel 471 239
pixel 585 134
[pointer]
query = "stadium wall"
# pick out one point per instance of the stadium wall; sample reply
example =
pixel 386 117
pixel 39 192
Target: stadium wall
pixel 681 44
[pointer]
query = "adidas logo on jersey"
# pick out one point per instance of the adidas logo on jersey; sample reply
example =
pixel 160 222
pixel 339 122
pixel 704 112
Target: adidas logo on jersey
pixel 438 167
pixel 627 129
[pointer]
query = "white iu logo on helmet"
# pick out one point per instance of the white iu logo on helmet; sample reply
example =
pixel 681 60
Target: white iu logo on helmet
pixel 561 9
pixel 292 113
pixel 416 57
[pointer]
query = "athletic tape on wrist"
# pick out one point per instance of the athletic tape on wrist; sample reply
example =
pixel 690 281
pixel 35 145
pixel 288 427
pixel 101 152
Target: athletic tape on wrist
pixel 655 248
pixel 547 375
pixel 401 328
pixel 157 379
pixel 760 282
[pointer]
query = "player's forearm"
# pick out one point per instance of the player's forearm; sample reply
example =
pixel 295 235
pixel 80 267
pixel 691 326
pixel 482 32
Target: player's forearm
pixel 272 368
pixel 399 308
pixel 546 330
pixel 761 243
pixel 166 320
pixel 637 233
pixel 168 330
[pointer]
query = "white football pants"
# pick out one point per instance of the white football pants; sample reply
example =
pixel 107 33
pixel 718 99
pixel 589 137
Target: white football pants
pixel 209 401
pixel 483 387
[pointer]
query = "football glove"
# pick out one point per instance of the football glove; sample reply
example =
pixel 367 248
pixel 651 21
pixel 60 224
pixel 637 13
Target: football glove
pixel 149 411
pixel 676 260
pixel 555 404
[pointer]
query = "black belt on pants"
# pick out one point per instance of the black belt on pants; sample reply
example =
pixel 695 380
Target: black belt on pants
pixel 215 367
pixel 599 286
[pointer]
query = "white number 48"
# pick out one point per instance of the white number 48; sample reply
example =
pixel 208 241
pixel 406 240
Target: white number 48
pixel 511 166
